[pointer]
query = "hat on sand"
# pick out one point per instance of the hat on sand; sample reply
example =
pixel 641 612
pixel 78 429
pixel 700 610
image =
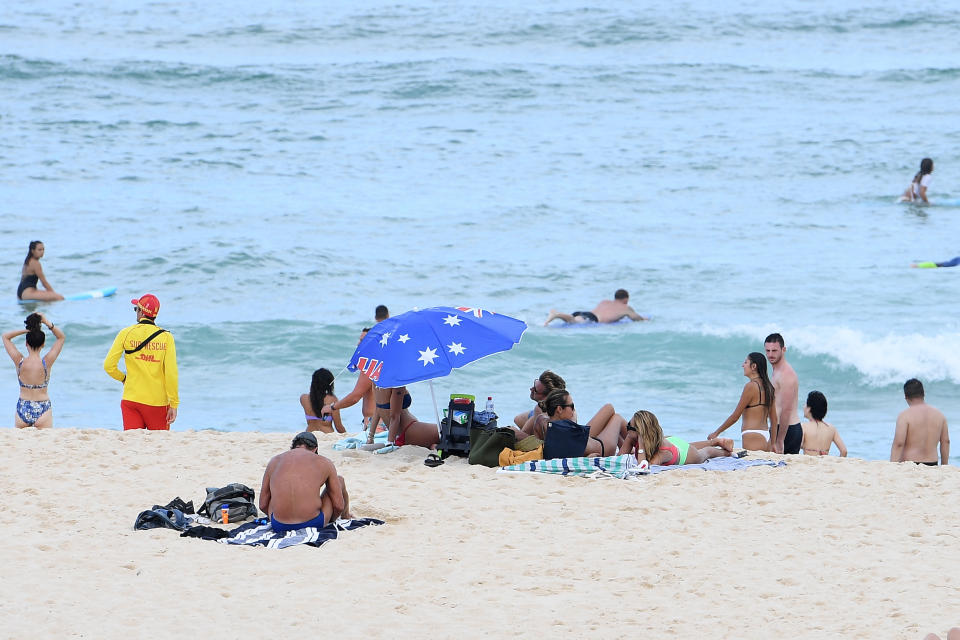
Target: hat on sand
pixel 304 437
pixel 147 303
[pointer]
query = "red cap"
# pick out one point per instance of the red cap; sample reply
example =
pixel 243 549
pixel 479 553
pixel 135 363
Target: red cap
pixel 149 304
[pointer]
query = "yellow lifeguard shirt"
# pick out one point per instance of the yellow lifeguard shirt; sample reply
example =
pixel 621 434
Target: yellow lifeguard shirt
pixel 151 376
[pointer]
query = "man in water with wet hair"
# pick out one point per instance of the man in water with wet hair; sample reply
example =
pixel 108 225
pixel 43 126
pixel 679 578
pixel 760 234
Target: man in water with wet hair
pixel 301 488
pixel 606 311
pixel 789 434
pixel 920 428
pixel 381 313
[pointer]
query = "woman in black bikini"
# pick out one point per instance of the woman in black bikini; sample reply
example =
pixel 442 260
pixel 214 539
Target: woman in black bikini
pixel 33 272
pixel 756 406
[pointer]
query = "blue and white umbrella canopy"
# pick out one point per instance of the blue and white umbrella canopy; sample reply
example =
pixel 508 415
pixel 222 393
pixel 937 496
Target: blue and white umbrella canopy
pixel 429 343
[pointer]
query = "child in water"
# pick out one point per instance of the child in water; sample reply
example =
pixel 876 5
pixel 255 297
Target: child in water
pixel 917 191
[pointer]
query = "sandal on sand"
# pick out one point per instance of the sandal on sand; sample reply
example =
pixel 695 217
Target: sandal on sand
pixel 390 448
pixel 433 460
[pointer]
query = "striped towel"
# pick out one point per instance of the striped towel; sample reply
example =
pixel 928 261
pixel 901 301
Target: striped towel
pixel 260 534
pixel 615 466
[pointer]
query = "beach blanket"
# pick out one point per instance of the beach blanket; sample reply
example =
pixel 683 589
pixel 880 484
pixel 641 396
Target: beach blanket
pixel 260 533
pixel 722 464
pixel 626 466
pixel 357 440
pixel 611 466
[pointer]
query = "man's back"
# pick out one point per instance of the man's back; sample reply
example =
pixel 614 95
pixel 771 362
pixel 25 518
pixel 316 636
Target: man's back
pixel 297 478
pixel 613 310
pixel 920 429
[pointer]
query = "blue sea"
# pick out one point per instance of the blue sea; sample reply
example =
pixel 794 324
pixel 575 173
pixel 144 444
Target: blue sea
pixel 272 172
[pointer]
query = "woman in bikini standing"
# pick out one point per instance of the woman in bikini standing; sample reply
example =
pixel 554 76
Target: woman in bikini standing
pixel 33 371
pixel 756 406
pixel 33 272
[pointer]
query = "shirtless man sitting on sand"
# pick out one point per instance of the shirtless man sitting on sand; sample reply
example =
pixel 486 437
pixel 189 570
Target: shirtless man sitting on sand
pixel 606 311
pixel 920 428
pixel 301 488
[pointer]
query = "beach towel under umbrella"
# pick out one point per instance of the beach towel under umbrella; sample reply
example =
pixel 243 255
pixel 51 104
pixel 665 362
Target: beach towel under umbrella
pixel 429 343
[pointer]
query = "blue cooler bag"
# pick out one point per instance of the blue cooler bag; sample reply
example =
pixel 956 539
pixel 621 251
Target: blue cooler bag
pixel 565 439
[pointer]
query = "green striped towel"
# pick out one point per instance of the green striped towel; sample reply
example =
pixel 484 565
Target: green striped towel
pixel 616 466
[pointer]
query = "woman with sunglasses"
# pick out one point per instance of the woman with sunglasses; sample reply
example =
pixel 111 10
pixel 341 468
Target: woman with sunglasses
pixel 645 437
pixel 535 419
pixel 605 425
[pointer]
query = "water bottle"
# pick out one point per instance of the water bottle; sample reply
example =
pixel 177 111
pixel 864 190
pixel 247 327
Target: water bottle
pixel 489 406
pixel 225 513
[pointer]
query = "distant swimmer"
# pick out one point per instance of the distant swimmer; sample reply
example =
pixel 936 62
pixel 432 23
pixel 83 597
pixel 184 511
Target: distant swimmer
pixel 917 191
pixel 933 265
pixel 33 272
pixel 606 311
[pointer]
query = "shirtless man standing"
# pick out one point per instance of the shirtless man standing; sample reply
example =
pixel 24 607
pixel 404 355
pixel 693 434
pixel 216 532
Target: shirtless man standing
pixel 920 428
pixel 301 488
pixel 789 434
pixel 606 311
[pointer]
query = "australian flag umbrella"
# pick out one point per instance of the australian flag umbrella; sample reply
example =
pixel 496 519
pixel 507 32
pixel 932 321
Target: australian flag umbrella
pixel 428 343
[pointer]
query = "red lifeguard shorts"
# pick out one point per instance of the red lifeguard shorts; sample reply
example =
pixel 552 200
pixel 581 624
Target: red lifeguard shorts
pixel 143 416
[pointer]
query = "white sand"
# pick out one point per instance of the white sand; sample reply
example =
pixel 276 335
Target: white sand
pixel 824 548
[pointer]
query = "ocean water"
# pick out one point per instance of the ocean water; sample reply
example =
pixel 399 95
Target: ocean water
pixel 272 173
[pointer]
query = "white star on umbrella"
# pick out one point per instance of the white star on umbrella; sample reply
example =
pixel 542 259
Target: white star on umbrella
pixel 403 338
pixel 384 338
pixel 428 356
pixel 456 348
pixel 453 321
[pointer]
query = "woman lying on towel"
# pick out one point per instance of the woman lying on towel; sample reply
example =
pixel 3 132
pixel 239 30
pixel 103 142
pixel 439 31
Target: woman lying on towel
pixel 644 436
pixel 605 426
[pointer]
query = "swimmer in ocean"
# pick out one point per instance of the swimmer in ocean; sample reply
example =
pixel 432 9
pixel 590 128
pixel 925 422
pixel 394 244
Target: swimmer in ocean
pixel 33 272
pixel 606 311
pixel 917 191
pixel 933 265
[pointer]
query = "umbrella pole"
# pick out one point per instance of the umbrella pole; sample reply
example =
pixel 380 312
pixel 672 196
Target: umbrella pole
pixel 436 411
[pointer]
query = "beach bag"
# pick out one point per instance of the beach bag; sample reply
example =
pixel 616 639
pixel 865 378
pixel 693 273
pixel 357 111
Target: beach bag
pixel 238 496
pixel 565 439
pixel 487 443
pixel 455 428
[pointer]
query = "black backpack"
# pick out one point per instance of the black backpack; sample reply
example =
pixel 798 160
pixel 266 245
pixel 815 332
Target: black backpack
pixel 565 439
pixel 238 496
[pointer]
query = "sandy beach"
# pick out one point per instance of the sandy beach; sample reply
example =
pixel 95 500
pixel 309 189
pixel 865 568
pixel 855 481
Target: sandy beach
pixel 821 548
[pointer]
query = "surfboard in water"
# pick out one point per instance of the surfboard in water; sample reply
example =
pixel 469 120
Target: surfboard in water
pixel 105 292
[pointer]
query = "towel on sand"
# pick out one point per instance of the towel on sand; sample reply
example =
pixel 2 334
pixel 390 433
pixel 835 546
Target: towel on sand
pixel 721 464
pixel 262 534
pixel 616 466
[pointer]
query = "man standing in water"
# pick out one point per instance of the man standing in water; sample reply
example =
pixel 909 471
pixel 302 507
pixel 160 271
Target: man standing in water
pixel 920 428
pixel 150 396
pixel 789 434
pixel 606 311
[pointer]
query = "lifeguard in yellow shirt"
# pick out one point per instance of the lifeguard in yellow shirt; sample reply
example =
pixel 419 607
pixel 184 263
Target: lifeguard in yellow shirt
pixel 150 396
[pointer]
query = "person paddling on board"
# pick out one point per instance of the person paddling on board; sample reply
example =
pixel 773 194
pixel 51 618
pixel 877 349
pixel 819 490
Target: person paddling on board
pixel 606 311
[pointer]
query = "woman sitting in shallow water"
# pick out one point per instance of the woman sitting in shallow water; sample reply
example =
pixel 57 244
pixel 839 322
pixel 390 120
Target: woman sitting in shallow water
pixel 645 436
pixel 32 273
pixel 33 371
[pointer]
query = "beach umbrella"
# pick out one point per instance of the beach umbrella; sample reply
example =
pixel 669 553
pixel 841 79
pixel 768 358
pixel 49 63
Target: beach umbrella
pixel 429 343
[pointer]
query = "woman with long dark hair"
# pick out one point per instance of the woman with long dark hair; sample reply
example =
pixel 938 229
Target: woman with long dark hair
pixel 33 371
pixel 321 393
pixel 756 405
pixel 917 191
pixel 32 273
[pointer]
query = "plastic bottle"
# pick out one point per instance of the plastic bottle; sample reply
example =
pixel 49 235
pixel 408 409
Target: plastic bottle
pixel 225 513
pixel 489 406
